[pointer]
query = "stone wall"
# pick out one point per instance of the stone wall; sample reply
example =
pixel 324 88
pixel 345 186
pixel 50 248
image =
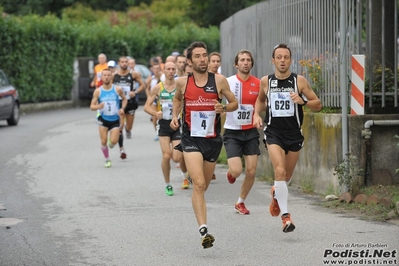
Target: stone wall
pixel 323 150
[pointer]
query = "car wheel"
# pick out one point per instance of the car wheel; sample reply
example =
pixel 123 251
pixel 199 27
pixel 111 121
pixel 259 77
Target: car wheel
pixel 13 120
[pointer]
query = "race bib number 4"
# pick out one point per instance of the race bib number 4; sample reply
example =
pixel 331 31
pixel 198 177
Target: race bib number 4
pixel 243 115
pixel 202 123
pixel 281 104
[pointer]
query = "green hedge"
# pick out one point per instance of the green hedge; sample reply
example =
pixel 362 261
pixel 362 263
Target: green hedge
pixel 38 53
pixel 141 43
pixel 38 56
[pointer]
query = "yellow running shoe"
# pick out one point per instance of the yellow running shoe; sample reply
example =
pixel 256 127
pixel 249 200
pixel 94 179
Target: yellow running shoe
pixel 185 184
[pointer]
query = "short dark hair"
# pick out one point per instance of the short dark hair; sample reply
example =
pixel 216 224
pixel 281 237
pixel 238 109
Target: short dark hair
pixel 181 55
pixel 193 46
pixel 215 53
pixel 281 45
pixel 243 51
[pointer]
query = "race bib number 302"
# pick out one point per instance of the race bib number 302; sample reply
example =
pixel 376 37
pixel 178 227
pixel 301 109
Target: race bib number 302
pixel 243 115
pixel 202 123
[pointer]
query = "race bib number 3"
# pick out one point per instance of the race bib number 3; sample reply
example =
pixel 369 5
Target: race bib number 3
pixel 202 123
pixel 281 104
pixel 243 115
pixel 109 108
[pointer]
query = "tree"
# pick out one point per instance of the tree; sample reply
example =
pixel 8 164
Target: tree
pixel 211 12
pixel 43 7
pixel 170 12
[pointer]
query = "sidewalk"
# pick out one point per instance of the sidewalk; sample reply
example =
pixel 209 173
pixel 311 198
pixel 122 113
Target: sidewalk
pixel 34 107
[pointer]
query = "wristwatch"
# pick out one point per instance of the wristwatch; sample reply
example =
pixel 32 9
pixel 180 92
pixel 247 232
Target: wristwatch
pixel 224 108
pixel 304 101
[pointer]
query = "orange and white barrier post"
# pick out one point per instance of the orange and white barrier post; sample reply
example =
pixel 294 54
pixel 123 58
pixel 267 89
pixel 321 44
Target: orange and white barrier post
pixel 357 85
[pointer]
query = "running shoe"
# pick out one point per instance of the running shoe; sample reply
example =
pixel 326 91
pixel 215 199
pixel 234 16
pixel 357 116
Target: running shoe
pixel 169 190
pixel 288 225
pixel 189 179
pixel 128 134
pixel 241 209
pixel 110 145
pixel 123 154
pixel 213 176
pixel 230 178
pixel 156 138
pixel 107 164
pixel 185 184
pixel 274 208
pixel 207 238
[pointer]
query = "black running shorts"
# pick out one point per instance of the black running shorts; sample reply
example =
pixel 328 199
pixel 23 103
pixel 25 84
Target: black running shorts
pixel 131 106
pixel 209 147
pixel 108 124
pixel 288 140
pixel 164 130
pixel 241 142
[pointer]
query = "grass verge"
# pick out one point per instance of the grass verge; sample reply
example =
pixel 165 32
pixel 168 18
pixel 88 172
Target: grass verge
pixel 375 212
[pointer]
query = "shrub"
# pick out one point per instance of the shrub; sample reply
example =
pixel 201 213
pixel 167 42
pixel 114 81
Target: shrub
pixel 40 52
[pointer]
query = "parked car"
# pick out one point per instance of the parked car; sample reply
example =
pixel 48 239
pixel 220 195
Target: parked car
pixel 9 101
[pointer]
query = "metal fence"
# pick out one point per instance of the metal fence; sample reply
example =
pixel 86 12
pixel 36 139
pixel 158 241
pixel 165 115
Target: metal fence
pixel 311 28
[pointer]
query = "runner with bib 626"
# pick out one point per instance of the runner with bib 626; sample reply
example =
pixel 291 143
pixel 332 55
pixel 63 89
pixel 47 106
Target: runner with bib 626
pixel 283 94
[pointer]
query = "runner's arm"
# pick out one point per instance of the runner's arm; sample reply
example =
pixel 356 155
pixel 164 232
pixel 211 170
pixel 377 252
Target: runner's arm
pixel 124 100
pixel 150 101
pixel 94 105
pixel 260 104
pixel 224 88
pixel 93 82
pixel 178 102
pixel 137 77
pixel 312 101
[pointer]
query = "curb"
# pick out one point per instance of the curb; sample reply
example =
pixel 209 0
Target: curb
pixel 34 107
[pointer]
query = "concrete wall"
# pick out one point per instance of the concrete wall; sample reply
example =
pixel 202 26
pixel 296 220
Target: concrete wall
pixel 323 150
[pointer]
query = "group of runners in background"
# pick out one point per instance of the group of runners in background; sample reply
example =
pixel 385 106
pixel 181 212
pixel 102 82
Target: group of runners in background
pixel 188 98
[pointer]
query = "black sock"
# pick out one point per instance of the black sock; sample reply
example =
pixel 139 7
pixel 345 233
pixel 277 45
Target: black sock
pixel 120 141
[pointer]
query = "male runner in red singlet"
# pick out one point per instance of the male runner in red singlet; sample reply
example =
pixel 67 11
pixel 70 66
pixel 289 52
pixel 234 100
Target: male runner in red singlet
pixel 200 97
pixel 241 137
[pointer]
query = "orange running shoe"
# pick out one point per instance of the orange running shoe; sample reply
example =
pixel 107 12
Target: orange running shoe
pixel 288 225
pixel 185 184
pixel 274 208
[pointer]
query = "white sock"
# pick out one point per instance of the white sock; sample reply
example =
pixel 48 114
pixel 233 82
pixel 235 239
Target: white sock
pixel 289 181
pixel 183 175
pixel 240 200
pixel 281 195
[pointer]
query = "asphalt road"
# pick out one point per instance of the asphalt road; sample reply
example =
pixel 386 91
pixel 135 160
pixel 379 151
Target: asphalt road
pixel 60 206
